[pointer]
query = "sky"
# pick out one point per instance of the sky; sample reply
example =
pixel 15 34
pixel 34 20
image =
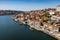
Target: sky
pixel 27 5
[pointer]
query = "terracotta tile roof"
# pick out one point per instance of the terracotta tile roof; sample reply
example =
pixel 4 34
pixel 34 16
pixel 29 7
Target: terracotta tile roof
pixel 35 20
pixel 47 24
pixel 57 25
pixel 52 10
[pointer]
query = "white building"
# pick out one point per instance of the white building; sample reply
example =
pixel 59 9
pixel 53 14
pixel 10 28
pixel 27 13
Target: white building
pixel 58 8
pixel 55 18
pixel 51 12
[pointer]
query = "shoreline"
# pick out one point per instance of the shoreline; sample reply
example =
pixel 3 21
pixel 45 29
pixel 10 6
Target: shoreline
pixel 31 28
pixel 46 20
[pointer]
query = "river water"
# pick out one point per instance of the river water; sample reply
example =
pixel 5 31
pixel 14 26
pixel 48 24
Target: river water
pixel 10 30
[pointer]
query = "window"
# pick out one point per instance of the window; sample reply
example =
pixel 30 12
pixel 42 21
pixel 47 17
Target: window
pixel 59 29
pixel 41 24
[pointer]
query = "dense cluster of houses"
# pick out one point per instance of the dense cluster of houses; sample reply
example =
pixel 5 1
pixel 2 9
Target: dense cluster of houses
pixel 46 19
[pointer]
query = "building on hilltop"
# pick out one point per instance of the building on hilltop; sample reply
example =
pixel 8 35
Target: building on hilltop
pixel 58 8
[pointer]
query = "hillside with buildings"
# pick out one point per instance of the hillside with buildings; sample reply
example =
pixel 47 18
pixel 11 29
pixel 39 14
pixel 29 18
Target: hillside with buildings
pixel 47 20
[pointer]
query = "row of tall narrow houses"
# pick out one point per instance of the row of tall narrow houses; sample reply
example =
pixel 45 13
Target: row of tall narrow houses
pixel 47 20
pixel 34 18
pixel 58 10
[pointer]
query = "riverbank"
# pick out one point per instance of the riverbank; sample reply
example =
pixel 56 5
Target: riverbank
pixel 40 30
pixel 10 30
pixel 41 21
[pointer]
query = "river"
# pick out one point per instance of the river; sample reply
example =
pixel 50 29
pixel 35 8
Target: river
pixel 10 30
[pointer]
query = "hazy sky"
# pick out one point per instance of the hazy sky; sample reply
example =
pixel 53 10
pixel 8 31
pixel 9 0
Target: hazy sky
pixel 26 5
